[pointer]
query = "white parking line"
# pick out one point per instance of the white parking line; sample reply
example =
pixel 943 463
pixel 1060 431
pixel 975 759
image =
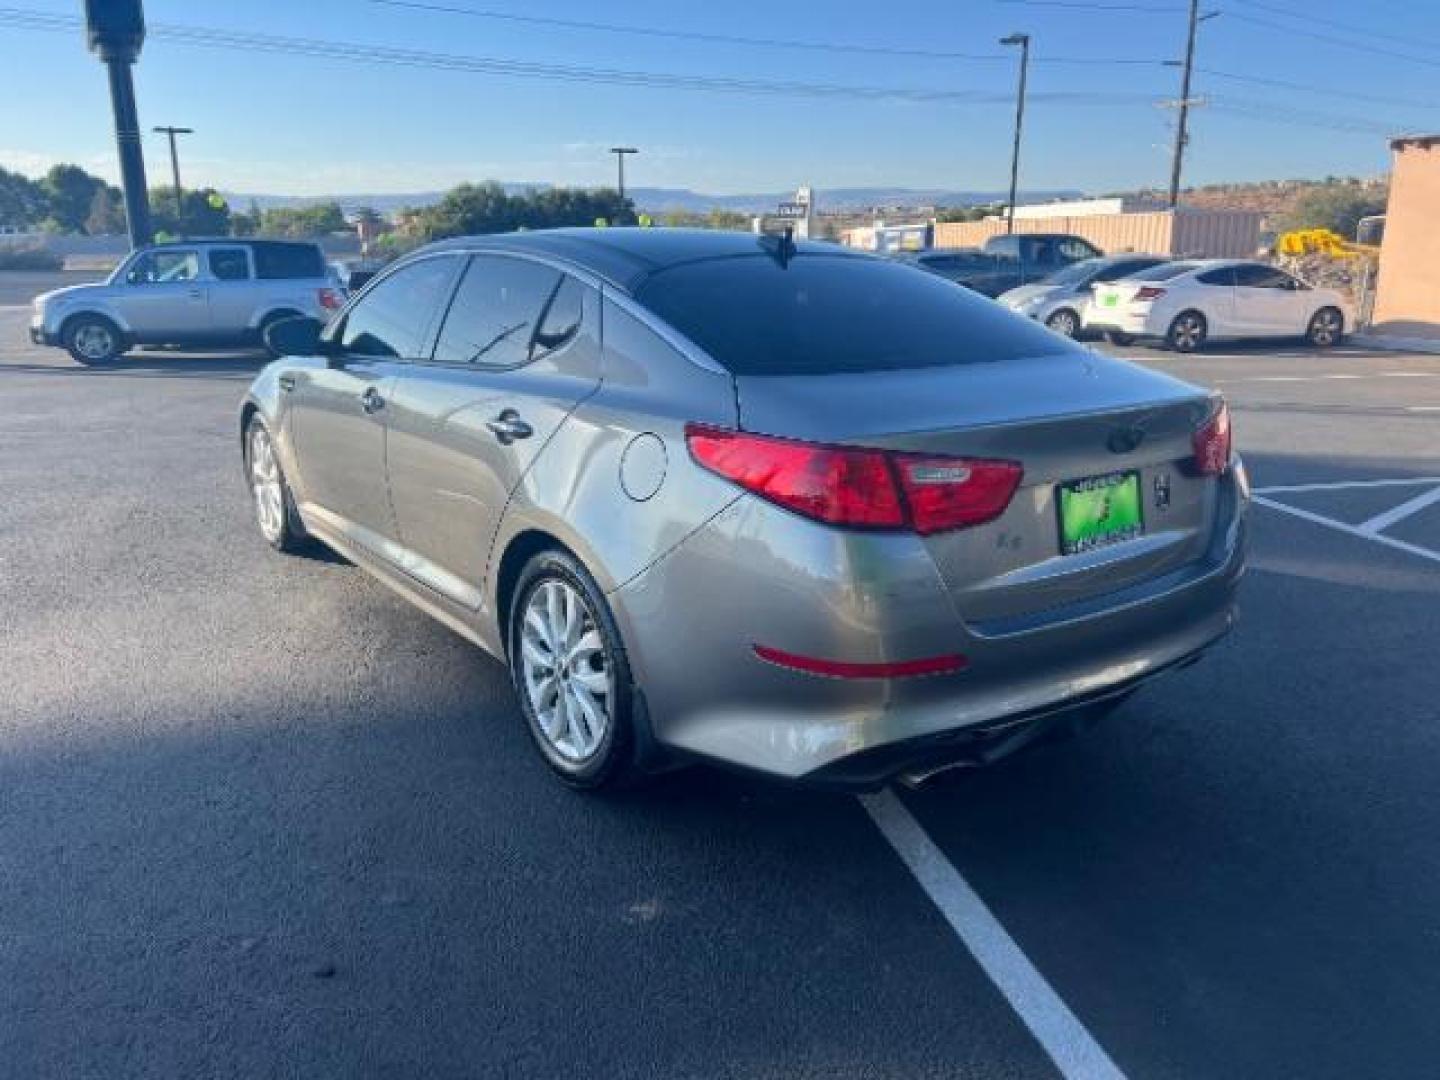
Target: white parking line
pixel 1333 377
pixel 1071 1047
pixel 1341 485
pixel 1351 530
pixel 1381 522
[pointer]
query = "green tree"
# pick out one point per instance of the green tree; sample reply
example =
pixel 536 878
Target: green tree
pixel 1337 207
pixel 107 212
pixel 488 208
pixel 23 204
pixel 69 192
pixel 203 212
pixel 303 221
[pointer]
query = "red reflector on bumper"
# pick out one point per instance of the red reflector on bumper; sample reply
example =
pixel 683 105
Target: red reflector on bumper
pixel 839 669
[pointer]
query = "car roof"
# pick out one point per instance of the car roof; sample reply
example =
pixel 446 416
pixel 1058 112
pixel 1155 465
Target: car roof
pixel 625 257
pixel 233 241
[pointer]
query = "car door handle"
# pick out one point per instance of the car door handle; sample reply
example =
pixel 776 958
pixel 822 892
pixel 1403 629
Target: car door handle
pixel 371 401
pixel 287 382
pixel 507 427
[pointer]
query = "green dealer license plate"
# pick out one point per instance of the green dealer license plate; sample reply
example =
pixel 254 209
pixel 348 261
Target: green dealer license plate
pixel 1098 511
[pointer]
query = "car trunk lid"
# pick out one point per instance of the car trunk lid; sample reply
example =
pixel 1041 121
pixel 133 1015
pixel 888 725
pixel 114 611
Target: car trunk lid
pixel 1069 417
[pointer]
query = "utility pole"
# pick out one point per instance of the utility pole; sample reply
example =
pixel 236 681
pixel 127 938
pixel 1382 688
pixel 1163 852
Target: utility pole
pixel 115 30
pixel 175 167
pixel 1182 127
pixel 620 152
pixel 1023 40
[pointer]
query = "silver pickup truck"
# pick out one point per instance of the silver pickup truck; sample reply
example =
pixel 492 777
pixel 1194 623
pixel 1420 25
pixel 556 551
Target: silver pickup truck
pixel 190 293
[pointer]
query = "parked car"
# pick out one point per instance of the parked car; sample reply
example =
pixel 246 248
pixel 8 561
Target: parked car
pixel 1058 300
pixel 1006 262
pixel 188 293
pixel 1186 304
pixel 786 506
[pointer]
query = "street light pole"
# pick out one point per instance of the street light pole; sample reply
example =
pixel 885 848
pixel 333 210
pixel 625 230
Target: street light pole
pixel 620 152
pixel 115 30
pixel 175 167
pixel 1023 40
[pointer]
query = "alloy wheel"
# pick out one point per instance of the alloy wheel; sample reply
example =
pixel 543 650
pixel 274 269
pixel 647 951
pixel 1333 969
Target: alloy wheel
pixel 94 341
pixel 567 672
pixel 266 484
pixel 1063 322
pixel 1188 333
pixel 1325 328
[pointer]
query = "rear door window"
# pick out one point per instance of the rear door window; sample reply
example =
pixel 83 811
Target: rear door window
pixel 1255 276
pixel 275 261
pixel 496 310
pixel 822 314
pixel 229 264
pixel 1221 276
pixel 392 320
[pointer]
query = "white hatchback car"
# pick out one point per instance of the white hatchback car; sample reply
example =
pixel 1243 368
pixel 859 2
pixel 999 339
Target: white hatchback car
pixel 1186 304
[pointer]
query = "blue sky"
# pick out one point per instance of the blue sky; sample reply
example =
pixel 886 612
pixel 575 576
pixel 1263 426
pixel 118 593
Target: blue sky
pixel 278 123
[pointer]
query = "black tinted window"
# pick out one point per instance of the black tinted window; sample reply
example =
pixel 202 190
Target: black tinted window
pixel 1221 276
pixel 1125 269
pixel 392 319
pixel 1164 272
pixel 1008 246
pixel 493 318
pixel 288 261
pixel 1254 276
pixel 229 264
pixel 832 313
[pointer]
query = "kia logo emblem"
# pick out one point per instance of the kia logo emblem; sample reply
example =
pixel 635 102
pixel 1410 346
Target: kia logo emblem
pixel 1125 439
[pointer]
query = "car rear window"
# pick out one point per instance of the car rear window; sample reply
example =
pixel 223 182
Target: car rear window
pixel 288 261
pixel 1163 272
pixel 825 314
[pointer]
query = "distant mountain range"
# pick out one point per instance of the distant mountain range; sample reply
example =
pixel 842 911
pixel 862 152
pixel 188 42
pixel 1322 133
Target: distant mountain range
pixel 661 199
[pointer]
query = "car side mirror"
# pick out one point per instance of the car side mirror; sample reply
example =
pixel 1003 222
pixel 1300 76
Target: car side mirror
pixel 299 336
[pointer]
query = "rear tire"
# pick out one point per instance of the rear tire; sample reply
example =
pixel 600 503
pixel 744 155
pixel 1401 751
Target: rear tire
pixel 1188 332
pixel 93 340
pixel 571 675
pixel 1065 322
pixel 1327 328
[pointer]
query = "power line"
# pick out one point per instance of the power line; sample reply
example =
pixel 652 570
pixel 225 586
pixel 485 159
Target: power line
pixel 736 39
pixel 1353 28
pixel 1100 5
pixel 1331 39
pixel 497 66
pixel 1281 84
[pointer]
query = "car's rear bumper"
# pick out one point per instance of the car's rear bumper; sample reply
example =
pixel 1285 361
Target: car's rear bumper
pixel 691 623
pixel 1118 322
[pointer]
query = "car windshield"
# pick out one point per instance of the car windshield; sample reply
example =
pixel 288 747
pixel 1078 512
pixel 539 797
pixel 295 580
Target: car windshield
pixel 821 314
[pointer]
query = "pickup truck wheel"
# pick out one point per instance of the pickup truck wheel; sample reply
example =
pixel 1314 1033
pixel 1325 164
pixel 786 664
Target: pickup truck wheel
pixel 93 340
pixel 1064 321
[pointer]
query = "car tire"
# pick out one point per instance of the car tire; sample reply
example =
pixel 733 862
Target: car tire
pixel 1065 322
pixel 93 340
pixel 269 321
pixel 275 511
pixel 1326 329
pixel 1188 332
pixel 1118 339
pixel 579 706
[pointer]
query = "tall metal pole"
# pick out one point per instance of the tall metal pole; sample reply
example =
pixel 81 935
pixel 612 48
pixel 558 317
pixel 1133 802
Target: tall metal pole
pixel 1182 127
pixel 1023 40
pixel 175 168
pixel 132 158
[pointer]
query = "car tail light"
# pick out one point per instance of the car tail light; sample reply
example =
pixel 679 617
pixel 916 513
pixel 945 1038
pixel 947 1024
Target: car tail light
pixel 1149 292
pixel 1212 443
pixel 331 300
pixel 857 486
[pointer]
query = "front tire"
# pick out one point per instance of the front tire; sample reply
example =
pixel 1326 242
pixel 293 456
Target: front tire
pixel 275 511
pixel 571 675
pixel 93 340
pixel 1327 328
pixel 1064 322
pixel 1188 332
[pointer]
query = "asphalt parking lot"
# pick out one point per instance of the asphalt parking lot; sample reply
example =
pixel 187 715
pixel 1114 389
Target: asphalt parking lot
pixel 259 817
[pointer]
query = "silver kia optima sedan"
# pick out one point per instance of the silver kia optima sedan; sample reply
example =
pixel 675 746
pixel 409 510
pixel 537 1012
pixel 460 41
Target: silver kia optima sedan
pixel 714 496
